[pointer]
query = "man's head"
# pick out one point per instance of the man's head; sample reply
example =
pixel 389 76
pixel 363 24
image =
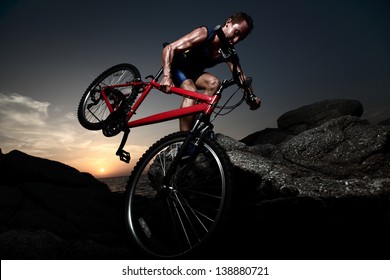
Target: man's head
pixel 237 27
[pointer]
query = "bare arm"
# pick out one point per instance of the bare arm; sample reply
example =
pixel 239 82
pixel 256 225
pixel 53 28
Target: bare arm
pixel 250 98
pixel 192 39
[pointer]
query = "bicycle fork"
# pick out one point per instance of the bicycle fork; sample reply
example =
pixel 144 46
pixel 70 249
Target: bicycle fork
pixel 191 144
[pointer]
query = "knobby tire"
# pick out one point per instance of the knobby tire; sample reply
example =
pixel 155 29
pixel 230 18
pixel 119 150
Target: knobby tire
pixel 92 109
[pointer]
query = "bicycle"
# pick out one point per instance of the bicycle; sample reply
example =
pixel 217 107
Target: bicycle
pixel 180 190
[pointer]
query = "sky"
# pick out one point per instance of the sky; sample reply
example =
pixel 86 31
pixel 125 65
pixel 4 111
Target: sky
pixel 299 52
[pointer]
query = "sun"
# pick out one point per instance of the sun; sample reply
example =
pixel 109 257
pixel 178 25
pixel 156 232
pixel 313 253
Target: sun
pixel 102 170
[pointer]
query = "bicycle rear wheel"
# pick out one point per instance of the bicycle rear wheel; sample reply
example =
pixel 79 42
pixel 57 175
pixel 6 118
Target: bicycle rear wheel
pixel 173 220
pixel 92 109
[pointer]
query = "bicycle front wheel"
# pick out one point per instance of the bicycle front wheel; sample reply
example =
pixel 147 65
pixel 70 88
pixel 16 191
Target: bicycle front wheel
pixel 92 109
pixel 175 219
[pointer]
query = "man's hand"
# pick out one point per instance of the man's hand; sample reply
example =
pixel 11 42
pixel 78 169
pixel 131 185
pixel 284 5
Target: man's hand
pixel 253 101
pixel 166 84
pixel 255 104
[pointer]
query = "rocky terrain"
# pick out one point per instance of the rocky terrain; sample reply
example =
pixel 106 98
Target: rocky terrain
pixel 315 187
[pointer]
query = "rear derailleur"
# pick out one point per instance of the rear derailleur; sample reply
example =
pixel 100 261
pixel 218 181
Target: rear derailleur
pixel 116 122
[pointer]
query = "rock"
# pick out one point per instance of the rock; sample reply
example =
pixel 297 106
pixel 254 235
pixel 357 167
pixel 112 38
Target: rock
pixel 66 215
pixel 49 210
pixel 384 122
pixel 290 211
pixel 342 147
pixel 315 114
pixel 43 244
pixel 267 136
pixel 343 157
pixel 328 179
pixel 18 167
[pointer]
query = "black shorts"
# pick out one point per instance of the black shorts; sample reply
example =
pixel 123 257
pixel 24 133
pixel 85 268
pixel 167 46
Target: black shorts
pixel 181 71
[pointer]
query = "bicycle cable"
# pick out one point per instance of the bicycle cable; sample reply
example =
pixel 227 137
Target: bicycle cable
pixel 230 108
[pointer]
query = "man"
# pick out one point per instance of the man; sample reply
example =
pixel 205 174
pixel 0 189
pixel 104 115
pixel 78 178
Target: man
pixel 185 60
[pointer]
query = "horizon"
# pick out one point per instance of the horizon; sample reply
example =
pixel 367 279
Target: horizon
pixel 102 174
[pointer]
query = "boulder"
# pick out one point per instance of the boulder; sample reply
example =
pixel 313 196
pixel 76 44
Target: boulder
pixel 18 167
pixel 322 191
pixel 49 210
pixel 384 122
pixel 313 115
pixel 267 136
pixel 293 203
pixel 343 147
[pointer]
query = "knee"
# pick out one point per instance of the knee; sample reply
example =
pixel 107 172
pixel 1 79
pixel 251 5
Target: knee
pixel 188 85
pixel 213 84
pixel 187 102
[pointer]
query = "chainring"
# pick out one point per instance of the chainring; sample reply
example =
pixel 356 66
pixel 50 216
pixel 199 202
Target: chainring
pixel 114 124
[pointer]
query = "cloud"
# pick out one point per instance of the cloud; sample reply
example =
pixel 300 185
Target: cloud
pixel 19 110
pixel 27 125
pixel 41 129
pixel 38 127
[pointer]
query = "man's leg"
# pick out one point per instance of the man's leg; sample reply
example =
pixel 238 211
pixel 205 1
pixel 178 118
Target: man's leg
pixel 187 122
pixel 206 81
pixel 209 83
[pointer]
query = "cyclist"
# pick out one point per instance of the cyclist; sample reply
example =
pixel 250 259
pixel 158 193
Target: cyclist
pixel 184 61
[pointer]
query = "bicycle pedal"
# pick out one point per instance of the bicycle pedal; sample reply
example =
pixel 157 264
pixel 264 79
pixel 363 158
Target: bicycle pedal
pixel 124 156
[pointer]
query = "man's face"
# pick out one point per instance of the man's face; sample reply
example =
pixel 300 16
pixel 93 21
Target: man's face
pixel 236 32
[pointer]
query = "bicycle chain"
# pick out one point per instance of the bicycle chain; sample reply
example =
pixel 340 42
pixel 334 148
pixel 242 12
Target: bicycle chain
pixel 117 120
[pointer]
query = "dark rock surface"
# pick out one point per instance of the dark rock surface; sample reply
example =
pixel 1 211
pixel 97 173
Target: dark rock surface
pixel 313 115
pixel 52 211
pixel 321 193
pixel 316 187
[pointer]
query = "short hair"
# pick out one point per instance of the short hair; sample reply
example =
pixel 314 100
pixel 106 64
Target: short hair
pixel 240 16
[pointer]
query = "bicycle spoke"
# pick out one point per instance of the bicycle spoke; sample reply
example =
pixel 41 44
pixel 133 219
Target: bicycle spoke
pixel 162 161
pixel 196 212
pixel 204 193
pixel 93 109
pixel 120 78
pixel 181 223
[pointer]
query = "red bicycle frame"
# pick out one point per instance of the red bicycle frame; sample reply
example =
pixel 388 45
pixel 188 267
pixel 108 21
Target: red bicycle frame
pixel 206 104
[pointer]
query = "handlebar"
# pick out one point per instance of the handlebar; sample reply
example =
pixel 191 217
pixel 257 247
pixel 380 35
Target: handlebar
pixel 249 96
